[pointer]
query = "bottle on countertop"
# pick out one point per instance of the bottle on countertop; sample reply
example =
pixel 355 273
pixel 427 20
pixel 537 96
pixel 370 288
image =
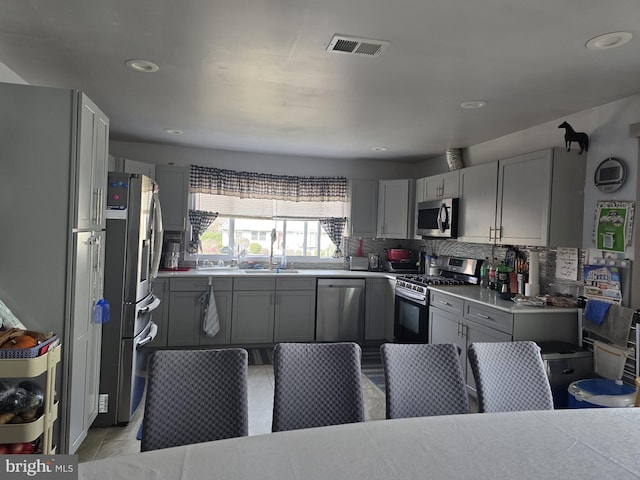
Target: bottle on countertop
pixel 502 272
pixel 484 273
pixel 493 285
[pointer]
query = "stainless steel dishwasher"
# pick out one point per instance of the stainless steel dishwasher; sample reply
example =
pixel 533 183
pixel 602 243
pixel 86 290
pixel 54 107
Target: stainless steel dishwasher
pixel 340 310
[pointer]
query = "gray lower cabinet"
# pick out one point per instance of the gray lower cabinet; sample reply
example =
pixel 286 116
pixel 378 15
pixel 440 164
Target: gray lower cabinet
pixel 379 309
pixel 463 322
pixel 161 314
pixel 185 311
pixel 267 310
pixel 224 300
pixel 253 310
pixel 252 317
pixel 295 316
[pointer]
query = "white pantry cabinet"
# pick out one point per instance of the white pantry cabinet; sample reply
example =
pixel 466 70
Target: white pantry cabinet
pixel 54 149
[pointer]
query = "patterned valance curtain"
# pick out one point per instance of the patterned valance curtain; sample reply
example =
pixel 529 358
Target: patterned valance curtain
pixel 217 181
pixel 200 221
pixel 334 227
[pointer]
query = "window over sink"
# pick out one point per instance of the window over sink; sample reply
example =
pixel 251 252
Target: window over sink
pixel 261 214
pixel 243 228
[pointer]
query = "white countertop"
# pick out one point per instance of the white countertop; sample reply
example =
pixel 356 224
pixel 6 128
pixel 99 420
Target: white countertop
pixel 581 444
pixel 235 272
pixel 474 293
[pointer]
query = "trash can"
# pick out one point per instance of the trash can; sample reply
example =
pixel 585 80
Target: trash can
pixel 565 363
pixel 600 393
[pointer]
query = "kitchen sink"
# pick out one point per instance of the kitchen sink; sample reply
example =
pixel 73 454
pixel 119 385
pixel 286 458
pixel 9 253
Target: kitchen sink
pixel 216 268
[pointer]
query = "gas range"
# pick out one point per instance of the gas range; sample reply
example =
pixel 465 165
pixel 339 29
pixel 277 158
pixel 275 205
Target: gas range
pixel 453 271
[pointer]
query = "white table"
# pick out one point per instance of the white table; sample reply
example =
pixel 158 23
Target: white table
pixel 563 444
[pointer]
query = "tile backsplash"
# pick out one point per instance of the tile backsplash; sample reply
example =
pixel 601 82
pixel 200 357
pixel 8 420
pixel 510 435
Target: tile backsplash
pixel 548 281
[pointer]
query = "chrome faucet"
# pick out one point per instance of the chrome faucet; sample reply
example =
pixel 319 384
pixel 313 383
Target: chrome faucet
pixel 273 240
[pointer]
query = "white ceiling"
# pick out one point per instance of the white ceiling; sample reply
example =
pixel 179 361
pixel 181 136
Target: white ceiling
pixel 254 75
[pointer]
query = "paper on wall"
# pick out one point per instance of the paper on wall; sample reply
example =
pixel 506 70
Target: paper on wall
pixel 567 263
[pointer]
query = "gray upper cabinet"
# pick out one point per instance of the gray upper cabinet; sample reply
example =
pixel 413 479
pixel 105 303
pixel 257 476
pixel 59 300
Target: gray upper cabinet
pixel 534 199
pixel 444 185
pixel 363 196
pixel 395 208
pixel 91 169
pixel 541 199
pixel 477 207
pixel 133 166
pixel 174 192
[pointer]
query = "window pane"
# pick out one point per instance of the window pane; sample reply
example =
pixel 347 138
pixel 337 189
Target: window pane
pixel 295 238
pixel 327 248
pixel 251 236
pixel 216 237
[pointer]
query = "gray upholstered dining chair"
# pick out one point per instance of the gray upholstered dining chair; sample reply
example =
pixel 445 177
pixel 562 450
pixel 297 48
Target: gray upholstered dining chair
pixel 316 384
pixel 423 380
pixel 510 376
pixel 195 396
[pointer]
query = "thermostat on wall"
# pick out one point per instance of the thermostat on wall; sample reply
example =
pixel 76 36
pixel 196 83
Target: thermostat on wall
pixel 610 175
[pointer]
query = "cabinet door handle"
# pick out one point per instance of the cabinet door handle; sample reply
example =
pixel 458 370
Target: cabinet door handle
pixel 444 303
pixel 482 315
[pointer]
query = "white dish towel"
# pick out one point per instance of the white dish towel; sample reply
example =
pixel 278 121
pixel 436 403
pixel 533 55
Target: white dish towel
pixel 211 322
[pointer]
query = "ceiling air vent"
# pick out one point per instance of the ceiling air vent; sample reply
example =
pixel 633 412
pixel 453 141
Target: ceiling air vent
pixel 356 46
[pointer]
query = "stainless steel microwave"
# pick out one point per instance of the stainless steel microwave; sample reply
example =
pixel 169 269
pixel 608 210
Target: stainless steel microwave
pixel 438 218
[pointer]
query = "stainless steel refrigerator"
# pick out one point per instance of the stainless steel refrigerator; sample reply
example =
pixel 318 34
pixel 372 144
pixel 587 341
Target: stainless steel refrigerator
pixel 132 257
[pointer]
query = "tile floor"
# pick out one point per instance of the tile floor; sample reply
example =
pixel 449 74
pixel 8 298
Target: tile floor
pixel 111 441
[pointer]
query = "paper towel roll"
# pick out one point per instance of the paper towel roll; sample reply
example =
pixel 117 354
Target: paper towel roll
pixel 534 267
pixel 531 289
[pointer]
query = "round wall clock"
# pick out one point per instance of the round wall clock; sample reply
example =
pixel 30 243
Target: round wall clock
pixel 609 175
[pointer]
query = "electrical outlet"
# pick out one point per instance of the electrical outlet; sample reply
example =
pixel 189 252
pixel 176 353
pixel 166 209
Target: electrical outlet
pixel 103 403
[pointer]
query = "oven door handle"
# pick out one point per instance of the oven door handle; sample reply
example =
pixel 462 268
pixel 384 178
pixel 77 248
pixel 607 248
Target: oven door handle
pixel 411 296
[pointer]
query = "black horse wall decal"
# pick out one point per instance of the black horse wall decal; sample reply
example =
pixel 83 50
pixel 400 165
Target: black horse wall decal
pixel 572 136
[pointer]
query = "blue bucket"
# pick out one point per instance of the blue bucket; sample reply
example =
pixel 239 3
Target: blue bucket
pixel 600 393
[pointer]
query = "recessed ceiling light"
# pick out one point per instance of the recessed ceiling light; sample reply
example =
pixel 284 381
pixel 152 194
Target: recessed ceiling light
pixel 608 40
pixel 379 149
pixel 173 131
pixel 144 66
pixel 473 104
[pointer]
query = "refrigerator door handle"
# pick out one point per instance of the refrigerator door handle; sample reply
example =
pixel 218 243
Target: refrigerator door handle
pixel 153 331
pixel 155 303
pixel 157 234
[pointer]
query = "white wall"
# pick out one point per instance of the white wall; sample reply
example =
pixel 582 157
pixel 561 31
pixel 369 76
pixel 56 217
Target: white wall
pixel 8 76
pixel 262 163
pixel 609 136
